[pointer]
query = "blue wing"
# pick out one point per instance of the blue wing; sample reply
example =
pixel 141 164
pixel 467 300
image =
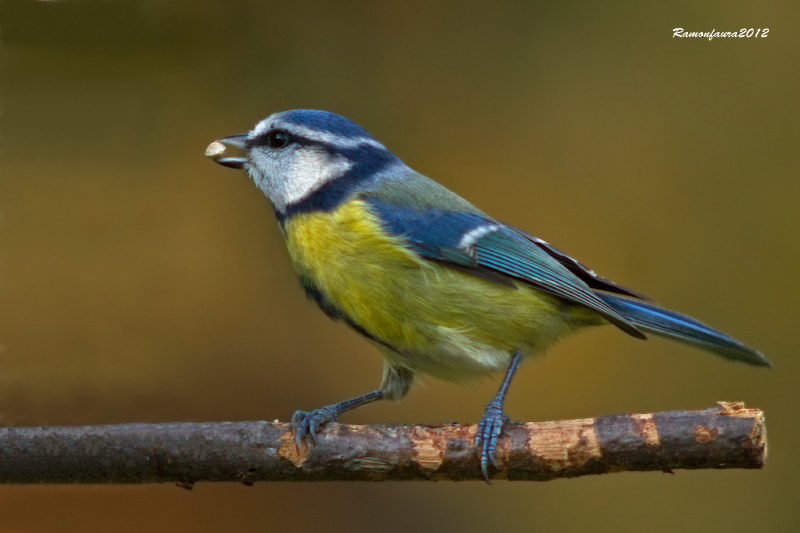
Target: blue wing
pixel 485 247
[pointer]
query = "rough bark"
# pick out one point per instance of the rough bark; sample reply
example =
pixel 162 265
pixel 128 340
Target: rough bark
pixel 728 436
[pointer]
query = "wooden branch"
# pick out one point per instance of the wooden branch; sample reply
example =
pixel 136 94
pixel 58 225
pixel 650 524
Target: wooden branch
pixel 729 436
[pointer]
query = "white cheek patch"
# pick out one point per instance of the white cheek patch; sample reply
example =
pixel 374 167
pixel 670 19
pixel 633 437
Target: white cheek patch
pixel 308 173
pixel 291 180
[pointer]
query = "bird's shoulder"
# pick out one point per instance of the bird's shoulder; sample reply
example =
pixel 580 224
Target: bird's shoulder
pixel 413 191
pixel 440 226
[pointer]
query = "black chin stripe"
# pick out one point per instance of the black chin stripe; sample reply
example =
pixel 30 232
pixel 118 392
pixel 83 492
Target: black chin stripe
pixel 368 161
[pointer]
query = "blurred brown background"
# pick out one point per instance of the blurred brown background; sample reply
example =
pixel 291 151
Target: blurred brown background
pixel 141 282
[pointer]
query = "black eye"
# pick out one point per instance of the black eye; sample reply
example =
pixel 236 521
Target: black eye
pixel 277 139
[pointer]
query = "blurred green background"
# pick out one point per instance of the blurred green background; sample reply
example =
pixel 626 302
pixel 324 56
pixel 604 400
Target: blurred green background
pixel 141 282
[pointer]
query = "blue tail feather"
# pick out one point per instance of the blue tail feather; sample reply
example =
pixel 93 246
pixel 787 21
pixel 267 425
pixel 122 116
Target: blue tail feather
pixel 653 319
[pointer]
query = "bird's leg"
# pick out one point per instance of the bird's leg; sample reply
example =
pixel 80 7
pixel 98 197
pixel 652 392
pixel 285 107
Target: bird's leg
pixel 491 425
pixel 395 385
pixel 306 424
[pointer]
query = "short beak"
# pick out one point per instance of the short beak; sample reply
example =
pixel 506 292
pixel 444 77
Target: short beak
pixel 217 150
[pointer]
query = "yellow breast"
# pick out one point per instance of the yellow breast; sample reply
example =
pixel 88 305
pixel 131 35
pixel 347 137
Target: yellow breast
pixel 438 320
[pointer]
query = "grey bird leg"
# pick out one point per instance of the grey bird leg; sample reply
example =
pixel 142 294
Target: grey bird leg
pixel 307 424
pixel 395 385
pixel 491 425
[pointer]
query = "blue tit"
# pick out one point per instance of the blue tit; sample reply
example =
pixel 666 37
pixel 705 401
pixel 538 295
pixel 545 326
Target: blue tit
pixel 438 286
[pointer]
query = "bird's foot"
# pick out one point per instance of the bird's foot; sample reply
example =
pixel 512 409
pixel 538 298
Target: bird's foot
pixel 306 424
pixel 489 431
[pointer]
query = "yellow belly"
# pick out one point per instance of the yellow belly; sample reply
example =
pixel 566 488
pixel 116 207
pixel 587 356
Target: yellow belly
pixel 438 320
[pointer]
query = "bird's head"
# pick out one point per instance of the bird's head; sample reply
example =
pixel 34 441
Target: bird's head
pixel 294 155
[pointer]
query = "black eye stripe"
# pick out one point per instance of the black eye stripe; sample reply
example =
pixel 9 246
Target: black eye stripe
pixel 265 138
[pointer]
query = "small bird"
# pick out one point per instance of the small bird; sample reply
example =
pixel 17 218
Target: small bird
pixel 438 286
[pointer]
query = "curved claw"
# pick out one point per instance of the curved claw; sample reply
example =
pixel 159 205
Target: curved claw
pixel 489 431
pixel 306 424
